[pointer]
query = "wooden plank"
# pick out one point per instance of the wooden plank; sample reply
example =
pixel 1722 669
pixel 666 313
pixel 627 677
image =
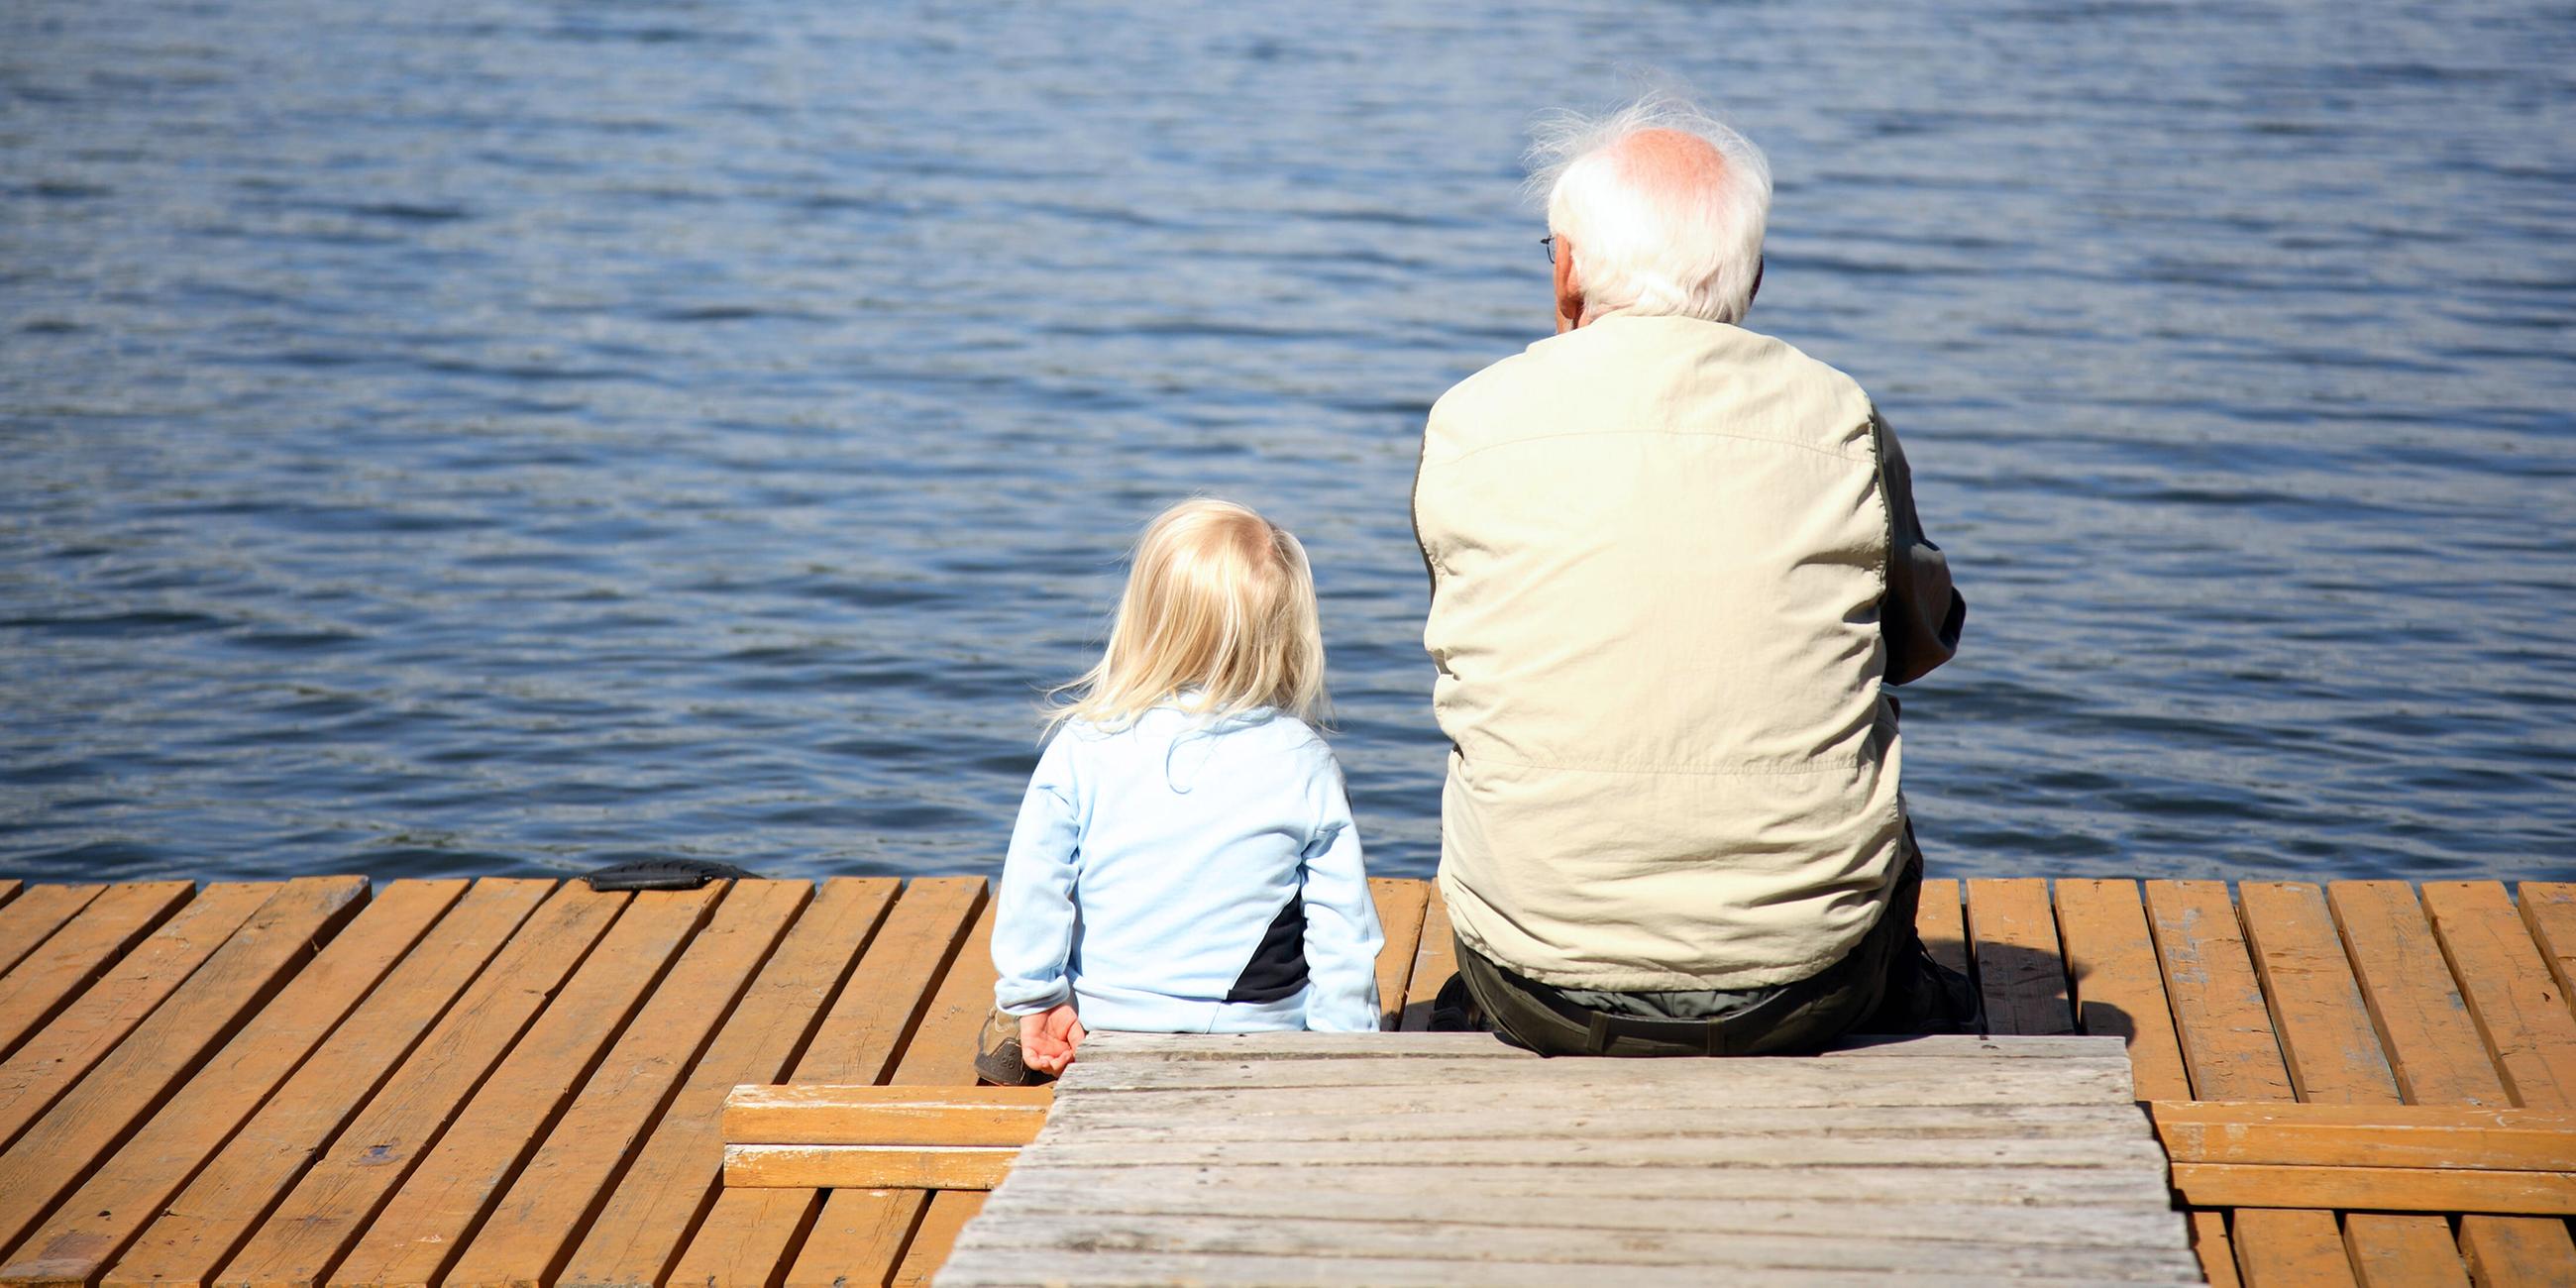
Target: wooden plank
pixel 2328 1034
pixel 1400 906
pixel 2388 1251
pixel 47 1064
pixel 867 1167
pixel 2290 1249
pixel 80 952
pixel 859 1239
pixel 29 921
pixel 937 1235
pixel 1582 1153
pixel 1435 960
pixel 1766 1082
pixel 2019 967
pixel 2386 1189
pixel 859 1042
pixel 1718 1253
pixel 2516 1254
pixel 9 887
pixel 2219 1013
pixel 251 1171
pixel 1110 1267
pixel 746 1240
pixel 2432 1045
pixel 443 1200
pixel 531 1229
pixel 56 1155
pixel 2217 1254
pixel 2528 1029
pixel 1942 925
pixel 1929 1218
pixel 1395 1176
pixel 672 1183
pixel 290 1165
pixel 2549 909
pixel 2200 1131
pixel 1174 1047
pixel 894 983
pixel 2317 1008
pixel 826 1114
pixel 2119 990
pixel 941 1050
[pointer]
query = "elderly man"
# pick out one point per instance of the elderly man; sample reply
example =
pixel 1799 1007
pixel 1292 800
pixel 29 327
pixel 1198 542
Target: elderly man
pixel 1673 563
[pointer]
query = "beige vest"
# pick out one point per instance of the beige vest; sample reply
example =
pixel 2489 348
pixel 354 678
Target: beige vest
pixel 1658 547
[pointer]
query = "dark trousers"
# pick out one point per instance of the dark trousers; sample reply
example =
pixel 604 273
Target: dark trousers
pixel 1880 986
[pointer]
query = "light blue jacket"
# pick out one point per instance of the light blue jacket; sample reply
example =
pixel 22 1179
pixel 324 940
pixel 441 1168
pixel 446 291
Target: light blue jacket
pixel 1158 872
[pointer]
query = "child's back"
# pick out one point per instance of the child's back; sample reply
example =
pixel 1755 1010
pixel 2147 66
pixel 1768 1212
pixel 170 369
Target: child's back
pixel 1200 859
pixel 1184 859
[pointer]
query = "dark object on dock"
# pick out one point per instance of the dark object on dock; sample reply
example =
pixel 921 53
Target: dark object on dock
pixel 665 874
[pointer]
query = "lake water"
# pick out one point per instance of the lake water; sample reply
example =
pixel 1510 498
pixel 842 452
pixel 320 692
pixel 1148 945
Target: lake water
pixel 508 436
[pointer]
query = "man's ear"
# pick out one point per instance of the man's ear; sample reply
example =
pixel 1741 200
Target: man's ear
pixel 1569 288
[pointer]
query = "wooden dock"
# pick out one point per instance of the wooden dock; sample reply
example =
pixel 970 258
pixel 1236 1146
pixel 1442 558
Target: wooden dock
pixel 517 1082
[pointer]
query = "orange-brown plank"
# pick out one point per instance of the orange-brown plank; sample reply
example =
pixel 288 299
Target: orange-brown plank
pixel 860 1041
pixel 2391 1251
pixel 859 1239
pixel 2111 965
pixel 2527 1036
pixel 2549 909
pixel 27 922
pixel 1435 960
pixel 2530 1032
pixel 949 1212
pixel 747 1239
pixel 2432 1045
pixel 2518 1253
pixel 1399 913
pixel 664 1193
pixel 56 1154
pixel 2317 1008
pixel 441 1203
pixel 2326 1026
pixel 81 951
pixel 2230 1053
pixel 941 1050
pixel 2219 1015
pixel 9 887
pixel 532 1228
pixel 47 1064
pixel 2217 1253
pixel 1942 925
pixel 345 1178
pixel 225 1201
pixel 2279 1248
pixel 2019 967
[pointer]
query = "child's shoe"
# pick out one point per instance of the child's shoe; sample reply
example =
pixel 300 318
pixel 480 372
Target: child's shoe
pixel 997 1054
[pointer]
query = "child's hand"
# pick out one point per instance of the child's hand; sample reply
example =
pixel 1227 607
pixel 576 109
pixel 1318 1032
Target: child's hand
pixel 1047 1039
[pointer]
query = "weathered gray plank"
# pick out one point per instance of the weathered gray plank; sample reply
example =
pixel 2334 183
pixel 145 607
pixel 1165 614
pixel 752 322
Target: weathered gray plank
pixel 1740 1082
pixel 2010 1187
pixel 1710 1151
pixel 1003 1265
pixel 1129 1047
pixel 1714 1251
pixel 1094 1193
pixel 1252 1118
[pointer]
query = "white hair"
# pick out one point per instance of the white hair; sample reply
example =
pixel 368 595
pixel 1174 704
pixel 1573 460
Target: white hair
pixel 1647 247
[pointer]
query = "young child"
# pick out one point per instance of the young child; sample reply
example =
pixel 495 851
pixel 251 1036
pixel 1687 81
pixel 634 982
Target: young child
pixel 1184 860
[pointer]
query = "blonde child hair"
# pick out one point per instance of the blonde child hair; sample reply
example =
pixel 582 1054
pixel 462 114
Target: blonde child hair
pixel 1218 618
